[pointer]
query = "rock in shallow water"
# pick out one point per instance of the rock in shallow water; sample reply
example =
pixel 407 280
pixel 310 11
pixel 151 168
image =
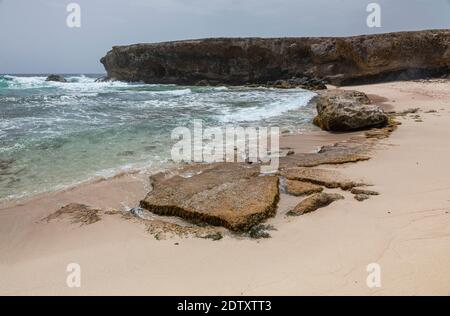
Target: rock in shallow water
pixel 231 195
pixel 342 111
pixel 56 78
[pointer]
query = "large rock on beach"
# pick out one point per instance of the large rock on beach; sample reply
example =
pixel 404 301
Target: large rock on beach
pixel 232 195
pixel 339 153
pixel 237 61
pixel 342 111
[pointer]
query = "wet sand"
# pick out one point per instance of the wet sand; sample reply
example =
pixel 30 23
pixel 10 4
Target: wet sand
pixel 406 229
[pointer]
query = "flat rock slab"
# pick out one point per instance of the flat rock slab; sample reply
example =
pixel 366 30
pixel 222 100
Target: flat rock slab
pixel 314 202
pixel 231 195
pixel 336 154
pixel 357 191
pixel 299 188
pixel 328 178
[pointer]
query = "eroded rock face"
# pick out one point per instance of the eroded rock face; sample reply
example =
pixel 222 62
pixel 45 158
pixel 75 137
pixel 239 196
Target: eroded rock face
pixel 340 61
pixel 314 202
pixel 342 111
pixel 231 195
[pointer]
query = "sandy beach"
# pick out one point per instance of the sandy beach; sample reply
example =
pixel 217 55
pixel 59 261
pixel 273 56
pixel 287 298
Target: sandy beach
pixel 406 229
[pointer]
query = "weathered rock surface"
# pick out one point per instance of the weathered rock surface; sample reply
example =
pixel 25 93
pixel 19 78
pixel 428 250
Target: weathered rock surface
pixel 336 154
pixel 340 61
pixel 299 188
pixel 342 111
pixel 328 178
pixel 56 78
pixel 314 202
pixel 77 213
pixel 363 191
pixel 231 195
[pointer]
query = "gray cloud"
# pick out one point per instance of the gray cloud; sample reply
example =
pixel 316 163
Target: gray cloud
pixel 35 38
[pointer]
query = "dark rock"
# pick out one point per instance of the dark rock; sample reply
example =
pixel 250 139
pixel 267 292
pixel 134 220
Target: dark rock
pixel 314 202
pixel 303 83
pixel 260 231
pixel 342 111
pixel 56 78
pixel 337 60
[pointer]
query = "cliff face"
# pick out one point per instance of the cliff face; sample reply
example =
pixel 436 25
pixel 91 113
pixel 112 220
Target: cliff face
pixel 341 61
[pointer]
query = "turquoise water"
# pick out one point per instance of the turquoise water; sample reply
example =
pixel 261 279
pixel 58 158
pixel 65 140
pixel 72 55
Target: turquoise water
pixel 54 135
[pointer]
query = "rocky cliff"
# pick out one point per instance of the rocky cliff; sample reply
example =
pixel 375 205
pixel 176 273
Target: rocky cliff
pixel 340 61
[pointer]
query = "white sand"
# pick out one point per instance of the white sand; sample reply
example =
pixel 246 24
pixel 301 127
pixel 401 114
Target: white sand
pixel 406 230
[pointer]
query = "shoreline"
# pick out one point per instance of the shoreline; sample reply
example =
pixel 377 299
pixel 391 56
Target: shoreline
pixel 143 150
pixel 405 229
pixel 129 170
pixel 310 142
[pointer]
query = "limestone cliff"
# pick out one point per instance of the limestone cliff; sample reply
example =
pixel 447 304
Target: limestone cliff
pixel 341 61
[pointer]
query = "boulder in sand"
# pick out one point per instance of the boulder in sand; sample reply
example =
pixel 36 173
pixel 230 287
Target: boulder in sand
pixel 342 111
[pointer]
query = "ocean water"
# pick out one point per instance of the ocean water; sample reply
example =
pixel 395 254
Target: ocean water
pixel 54 135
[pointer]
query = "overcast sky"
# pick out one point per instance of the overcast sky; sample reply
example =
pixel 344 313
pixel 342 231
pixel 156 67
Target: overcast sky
pixel 34 37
